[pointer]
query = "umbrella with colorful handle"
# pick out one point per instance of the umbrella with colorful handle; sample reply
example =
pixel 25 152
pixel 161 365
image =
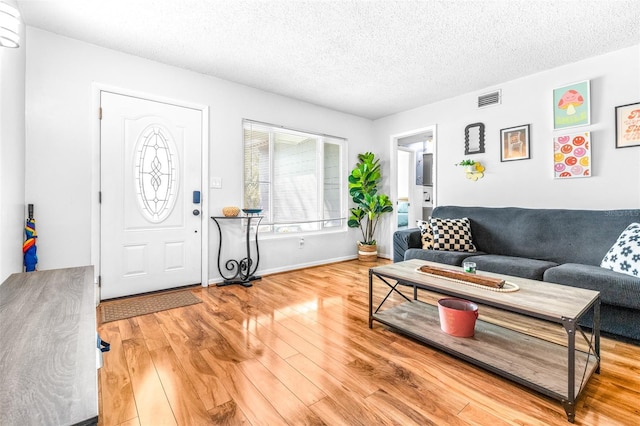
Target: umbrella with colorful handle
pixel 29 246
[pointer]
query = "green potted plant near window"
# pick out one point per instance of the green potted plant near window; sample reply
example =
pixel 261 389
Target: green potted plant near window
pixel 370 206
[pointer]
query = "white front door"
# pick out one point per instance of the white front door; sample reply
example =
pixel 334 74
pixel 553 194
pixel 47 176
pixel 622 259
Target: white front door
pixel 150 154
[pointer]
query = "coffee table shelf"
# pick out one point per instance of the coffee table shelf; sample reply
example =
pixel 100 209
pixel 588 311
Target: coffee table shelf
pixel 528 360
pixel 560 371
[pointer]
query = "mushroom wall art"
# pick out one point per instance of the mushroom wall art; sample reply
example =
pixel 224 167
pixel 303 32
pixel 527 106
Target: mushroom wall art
pixel 571 105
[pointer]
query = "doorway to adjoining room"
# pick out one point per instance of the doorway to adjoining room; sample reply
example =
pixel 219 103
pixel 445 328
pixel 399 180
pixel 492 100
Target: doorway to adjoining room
pixel 413 176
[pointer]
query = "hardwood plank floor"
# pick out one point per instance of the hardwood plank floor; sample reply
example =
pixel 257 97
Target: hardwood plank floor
pixel 296 349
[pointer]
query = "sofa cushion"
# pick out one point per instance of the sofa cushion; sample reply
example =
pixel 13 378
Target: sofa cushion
pixel 404 239
pixel 447 257
pixel 560 236
pixel 452 234
pixel 426 234
pixel 616 321
pixel 509 265
pixel 624 255
pixel 615 288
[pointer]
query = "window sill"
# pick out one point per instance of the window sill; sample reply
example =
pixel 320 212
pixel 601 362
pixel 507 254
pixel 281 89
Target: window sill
pixel 294 235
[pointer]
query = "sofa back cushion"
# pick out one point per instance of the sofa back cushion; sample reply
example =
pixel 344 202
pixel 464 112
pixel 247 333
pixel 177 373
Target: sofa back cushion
pixel 554 235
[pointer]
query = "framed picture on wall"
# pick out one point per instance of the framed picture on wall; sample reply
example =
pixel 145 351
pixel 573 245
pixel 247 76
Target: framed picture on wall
pixel 572 105
pixel 572 155
pixel 628 125
pixel 514 143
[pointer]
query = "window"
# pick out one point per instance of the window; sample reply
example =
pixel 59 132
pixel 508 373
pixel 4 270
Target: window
pixel 295 177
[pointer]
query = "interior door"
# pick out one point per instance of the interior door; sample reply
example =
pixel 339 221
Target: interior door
pixel 150 181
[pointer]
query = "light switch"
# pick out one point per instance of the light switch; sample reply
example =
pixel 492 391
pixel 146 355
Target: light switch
pixel 216 182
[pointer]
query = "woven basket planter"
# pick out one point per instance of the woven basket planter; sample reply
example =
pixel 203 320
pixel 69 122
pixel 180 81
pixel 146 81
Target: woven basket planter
pixel 367 253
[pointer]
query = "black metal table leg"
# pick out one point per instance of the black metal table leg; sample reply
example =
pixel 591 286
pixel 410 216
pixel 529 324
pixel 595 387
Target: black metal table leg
pixel 392 288
pixel 569 404
pixel 244 269
pixel 370 298
pixel 596 332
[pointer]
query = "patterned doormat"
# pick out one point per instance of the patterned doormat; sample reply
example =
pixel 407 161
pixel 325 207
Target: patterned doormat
pixel 127 308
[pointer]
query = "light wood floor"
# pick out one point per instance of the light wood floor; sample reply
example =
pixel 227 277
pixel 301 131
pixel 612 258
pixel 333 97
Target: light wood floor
pixel 296 349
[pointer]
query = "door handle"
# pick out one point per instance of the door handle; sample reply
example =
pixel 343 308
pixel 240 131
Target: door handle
pixel 196 212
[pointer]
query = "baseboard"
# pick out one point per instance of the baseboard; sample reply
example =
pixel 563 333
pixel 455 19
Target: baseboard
pixel 289 268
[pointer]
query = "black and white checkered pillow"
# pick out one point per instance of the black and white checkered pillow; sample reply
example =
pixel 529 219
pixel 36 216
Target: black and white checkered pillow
pixel 624 255
pixel 452 234
pixel 426 234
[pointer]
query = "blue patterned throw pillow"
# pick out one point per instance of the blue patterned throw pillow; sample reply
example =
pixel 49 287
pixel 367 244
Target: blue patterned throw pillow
pixel 624 255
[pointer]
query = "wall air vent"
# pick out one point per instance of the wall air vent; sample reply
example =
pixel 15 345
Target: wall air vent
pixel 488 99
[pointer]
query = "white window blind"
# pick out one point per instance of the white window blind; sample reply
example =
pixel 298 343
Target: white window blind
pixel 295 177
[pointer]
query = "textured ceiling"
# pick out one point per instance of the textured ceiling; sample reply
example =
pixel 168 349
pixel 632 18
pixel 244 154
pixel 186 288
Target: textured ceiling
pixel 368 58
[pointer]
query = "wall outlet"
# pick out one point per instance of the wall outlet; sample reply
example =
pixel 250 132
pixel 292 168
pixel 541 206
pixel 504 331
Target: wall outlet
pixel 301 242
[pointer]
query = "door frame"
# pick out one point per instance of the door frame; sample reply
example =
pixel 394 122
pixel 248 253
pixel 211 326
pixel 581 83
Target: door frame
pixel 97 89
pixel 412 178
pixel 393 181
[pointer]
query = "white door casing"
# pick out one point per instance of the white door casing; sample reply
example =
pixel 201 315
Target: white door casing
pixel 150 155
pixel 415 201
pixel 410 176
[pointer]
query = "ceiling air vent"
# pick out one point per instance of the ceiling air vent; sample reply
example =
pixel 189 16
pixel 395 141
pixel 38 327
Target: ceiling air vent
pixel 489 99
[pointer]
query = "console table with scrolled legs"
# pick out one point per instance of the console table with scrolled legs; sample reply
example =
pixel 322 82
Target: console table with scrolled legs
pixel 243 270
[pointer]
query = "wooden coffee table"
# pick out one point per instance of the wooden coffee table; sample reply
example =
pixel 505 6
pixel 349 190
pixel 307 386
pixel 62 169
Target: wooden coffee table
pixel 560 371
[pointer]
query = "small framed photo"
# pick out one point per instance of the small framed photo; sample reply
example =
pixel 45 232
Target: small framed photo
pixel 514 143
pixel 572 105
pixel 628 125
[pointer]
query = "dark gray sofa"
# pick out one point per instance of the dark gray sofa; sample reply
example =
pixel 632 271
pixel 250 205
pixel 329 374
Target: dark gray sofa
pixel 559 246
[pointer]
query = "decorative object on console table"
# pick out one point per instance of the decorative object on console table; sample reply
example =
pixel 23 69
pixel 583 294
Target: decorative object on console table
pixel 571 105
pixel 370 205
pixel 243 270
pixel 474 139
pixel 250 212
pixel 514 143
pixel 572 155
pixel 628 125
pixel 230 211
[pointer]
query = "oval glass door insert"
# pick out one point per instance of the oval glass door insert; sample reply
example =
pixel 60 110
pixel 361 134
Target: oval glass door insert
pixel 156 172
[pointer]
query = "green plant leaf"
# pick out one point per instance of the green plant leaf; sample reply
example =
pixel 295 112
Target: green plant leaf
pixel 363 189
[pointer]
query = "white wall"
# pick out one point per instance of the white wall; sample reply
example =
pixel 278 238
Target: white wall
pixel 615 184
pixel 60 73
pixel 59 140
pixel 12 160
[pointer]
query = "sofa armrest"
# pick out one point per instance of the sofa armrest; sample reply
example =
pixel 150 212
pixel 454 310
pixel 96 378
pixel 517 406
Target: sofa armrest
pixel 403 240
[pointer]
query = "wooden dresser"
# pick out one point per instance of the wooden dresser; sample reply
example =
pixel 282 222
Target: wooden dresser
pixel 48 348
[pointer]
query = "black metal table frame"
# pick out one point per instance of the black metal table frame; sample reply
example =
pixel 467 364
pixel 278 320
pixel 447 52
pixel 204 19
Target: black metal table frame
pixel 245 268
pixel 570 326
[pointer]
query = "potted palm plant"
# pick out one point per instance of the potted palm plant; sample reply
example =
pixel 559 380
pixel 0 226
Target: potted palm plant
pixel 363 188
